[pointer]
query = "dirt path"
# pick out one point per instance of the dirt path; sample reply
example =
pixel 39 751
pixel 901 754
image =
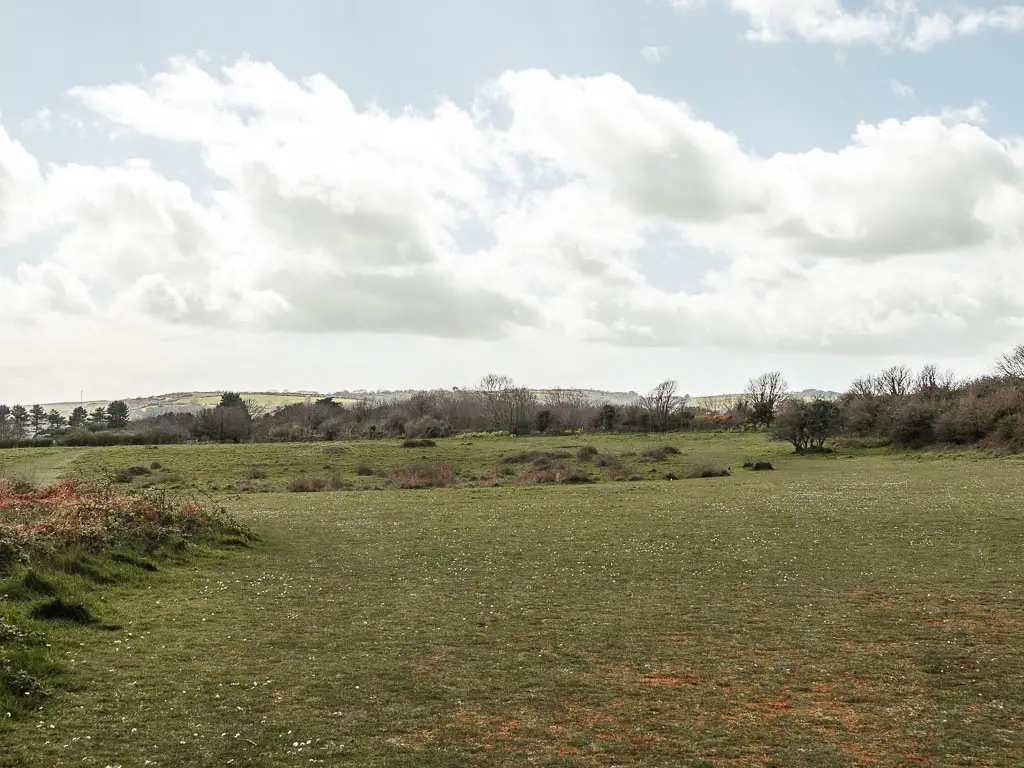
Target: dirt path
pixel 44 469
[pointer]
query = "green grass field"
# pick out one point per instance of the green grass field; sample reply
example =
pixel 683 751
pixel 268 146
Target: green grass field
pixel 842 610
pixel 220 468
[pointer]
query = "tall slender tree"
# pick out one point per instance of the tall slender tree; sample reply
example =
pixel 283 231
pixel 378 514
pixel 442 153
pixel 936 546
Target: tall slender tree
pixel 37 414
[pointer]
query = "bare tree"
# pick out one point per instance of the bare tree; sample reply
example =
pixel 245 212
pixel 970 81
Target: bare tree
pixel 569 406
pixel 765 395
pixel 506 404
pixel 866 386
pixel 931 382
pixel 1011 365
pixel 896 380
pixel 661 403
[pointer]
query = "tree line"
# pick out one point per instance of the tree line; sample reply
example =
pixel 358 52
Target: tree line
pixel 896 406
pixel 18 422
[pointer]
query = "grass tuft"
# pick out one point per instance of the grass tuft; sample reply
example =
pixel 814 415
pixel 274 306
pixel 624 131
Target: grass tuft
pixel 702 469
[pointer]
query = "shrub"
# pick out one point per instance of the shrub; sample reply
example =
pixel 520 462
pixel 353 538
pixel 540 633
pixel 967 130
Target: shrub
pixel 334 449
pixel 661 452
pixel 586 453
pixel 307 485
pixel 425 476
pixel 73 515
pixel 122 476
pixel 556 473
pixel 364 471
pixel 419 444
pixel 427 427
pixel 618 472
pixel 913 425
pixel 702 469
pixel 606 460
pixel 139 471
pixel 256 473
pixel 156 465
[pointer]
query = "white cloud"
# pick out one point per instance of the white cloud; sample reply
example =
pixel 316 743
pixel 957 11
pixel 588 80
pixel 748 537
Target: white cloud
pixel 901 89
pixel 885 23
pixel 319 217
pixel 652 53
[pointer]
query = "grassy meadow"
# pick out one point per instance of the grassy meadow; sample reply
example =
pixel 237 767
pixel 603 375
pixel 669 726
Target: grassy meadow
pixel 860 608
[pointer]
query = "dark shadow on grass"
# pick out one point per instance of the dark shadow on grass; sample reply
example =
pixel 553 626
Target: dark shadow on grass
pixel 59 609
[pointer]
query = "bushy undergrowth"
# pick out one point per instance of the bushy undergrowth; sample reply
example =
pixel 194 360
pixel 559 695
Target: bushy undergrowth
pixel 72 514
pixel 54 541
pixel 559 472
pixel 425 475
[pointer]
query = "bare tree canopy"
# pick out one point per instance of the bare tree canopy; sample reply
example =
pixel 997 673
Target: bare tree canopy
pixel 896 380
pixel 507 405
pixel 931 382
pixel 765 395
pixel 661 403
pixel 1011 364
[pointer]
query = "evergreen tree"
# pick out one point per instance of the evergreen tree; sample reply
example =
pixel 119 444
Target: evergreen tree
pixel 98 418
pixel 117 414
pixel 78 417
pixel 56 420
pixel 20 418
pixel 38 418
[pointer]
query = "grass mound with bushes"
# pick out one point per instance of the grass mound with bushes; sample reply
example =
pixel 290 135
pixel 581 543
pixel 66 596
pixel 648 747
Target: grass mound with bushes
pixel 61 545
pixel 702 469
pixel 425 475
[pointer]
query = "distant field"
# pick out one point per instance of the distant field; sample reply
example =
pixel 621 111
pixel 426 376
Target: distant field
pixel 856 609
pixel 232 467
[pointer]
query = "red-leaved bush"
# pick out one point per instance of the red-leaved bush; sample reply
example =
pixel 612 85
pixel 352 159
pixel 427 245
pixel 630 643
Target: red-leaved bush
pixel 72 514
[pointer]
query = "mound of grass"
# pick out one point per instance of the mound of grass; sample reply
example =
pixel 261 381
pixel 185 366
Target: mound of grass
pixel 586 453
pixel 703 469
pixel 425 475
pixel 535 457
pixel 73 516
pixel 758 466
pixel 419 443
pixel 307 484
pixel 556 473
pixel 606 460
pixel 661 452
pixel 334 449
pixel 256 473
pixel 63 544
pixel 364 470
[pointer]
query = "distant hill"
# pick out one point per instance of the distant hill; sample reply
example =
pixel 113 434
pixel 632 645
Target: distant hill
pixel 191 402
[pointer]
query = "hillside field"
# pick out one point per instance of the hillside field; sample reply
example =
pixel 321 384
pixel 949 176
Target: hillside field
pixel 860 608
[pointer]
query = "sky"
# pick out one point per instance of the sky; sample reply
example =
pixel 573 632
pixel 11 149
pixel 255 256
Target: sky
pixel 596 193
